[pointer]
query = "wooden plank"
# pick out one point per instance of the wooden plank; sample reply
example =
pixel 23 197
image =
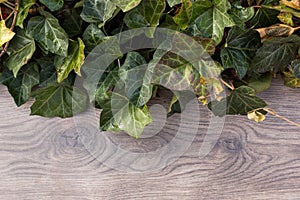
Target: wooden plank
pixel 61 158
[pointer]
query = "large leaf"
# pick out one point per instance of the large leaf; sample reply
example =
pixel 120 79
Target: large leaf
pixel 53 5
pixel 98 11
pixel 5 33
pixel 58 101
pixel 48 33
pixel 126 5
pixel 74 60
pixel 239 49
pixel 22 48
pixel 241 101
pixel 183 17
pixel 92 37
pixel 20 87
pixel 212 22
pixel 146 14
pixel 134 73
pixel 264 17
pixel 23 11
pixel 120 114
pixel 276 54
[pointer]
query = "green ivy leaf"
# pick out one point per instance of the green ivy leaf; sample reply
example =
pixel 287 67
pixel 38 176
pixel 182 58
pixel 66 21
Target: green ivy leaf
pixel 146 14
pixel 48 33
pixel 134 73
pixel 53 5
pixel 97 11
pixel 48 71
pixel 184 15
pixel 240 48
pixel 240 14
pixel 276 54
pixel 72 22
pixel 58 100
pixel 290 80
pixel 92 37
pixel 241 101
pixel 173 2
pixel 126 5
pixel 23 11
pixel 20 87
pixel 261 83
pixel 120 114
pixel 22 48
pixel 74 60
pixel 212 22
pixel 296 68
pixel 264 17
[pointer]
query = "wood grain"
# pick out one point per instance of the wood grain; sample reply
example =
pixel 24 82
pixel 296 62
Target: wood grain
pixel 65 158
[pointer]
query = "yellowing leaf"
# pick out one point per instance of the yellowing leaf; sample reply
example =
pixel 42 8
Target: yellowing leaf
pixel 286 17
pixel 256 116
pixel 5 33
pixel 280 30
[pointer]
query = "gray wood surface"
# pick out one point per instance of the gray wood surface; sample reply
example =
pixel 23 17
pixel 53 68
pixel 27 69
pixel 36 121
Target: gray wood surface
pixel 60 159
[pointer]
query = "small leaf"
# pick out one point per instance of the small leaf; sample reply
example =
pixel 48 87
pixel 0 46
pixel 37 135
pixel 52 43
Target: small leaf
pixel 97 11
pixel 53 5
pixel 256 116
pixel 276 54
pixel 280 30
pixel 120 114
pixel 5 33
pixel 58 101
pixel 290 80
pixel 74 60
pixel 72 22
pixel 240 14
pixel 126 5
pixel 23 11
pixel 241 101
pixel 286 18
pixel 22 48
pixel 296 68
pixel 183 17
pixel 20 87
pixel 48 33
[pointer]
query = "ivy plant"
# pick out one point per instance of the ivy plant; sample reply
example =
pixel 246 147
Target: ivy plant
pixel 45 44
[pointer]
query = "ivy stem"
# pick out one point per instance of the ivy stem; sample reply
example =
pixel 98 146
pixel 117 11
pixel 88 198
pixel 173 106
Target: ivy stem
pixel 227 84
pixel 270 111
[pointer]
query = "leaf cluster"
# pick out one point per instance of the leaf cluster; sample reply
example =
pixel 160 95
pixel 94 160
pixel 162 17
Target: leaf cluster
pixel 250 43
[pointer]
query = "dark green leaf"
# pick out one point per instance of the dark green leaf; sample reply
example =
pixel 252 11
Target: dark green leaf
pixel 48 71
pixel 146 14
pixel 212 22
pixel 92 37
pixel 74 60
pixel 264 17
pixel 48 33
pixel 58 101
pixel 276 54
pixel 24 6
pixel 241 101
pixel 21 50
pixel 72 22
pixel 260 84
pixel 98 11
pixel 120 114
pixel 53 5
pixel 20 87
pixel 239 49
pixel 126 5
pixel 240 14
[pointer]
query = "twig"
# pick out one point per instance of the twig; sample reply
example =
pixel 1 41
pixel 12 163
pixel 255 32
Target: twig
pixel 270 111
pixel 227 84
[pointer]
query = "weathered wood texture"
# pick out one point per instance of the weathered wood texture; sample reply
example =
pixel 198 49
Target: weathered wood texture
pixel 46 158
